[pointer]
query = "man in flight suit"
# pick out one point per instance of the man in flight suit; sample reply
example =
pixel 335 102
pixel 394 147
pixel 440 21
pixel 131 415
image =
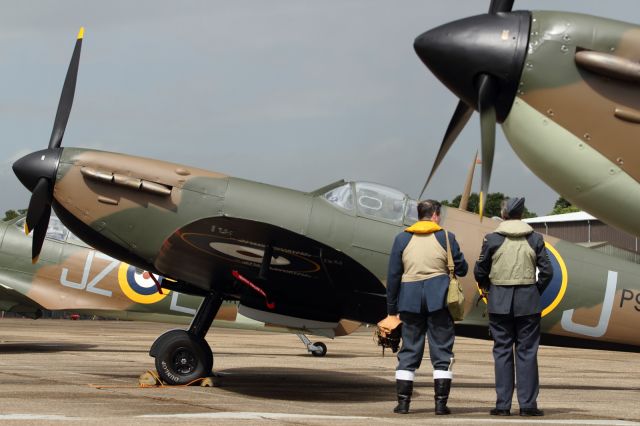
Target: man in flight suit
pixel 417 287
pixel 506 272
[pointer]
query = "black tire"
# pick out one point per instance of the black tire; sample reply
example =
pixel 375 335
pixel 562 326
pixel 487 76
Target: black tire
pixel 182 358
pixel 319 352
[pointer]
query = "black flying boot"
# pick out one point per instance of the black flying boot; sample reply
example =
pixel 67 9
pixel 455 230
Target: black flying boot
pixel 441 388
pixel 404 389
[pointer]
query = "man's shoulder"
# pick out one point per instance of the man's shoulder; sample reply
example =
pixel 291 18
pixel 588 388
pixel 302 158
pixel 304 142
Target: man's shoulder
pixel 493 235
pixel 494 238
pixel 535 238
pixel 403 237
pixel 442 231
pixel 441 237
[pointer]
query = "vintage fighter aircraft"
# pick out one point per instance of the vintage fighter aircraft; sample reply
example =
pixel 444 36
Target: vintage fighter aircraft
pixel 71 276
pixel 565 88
pixel 289 258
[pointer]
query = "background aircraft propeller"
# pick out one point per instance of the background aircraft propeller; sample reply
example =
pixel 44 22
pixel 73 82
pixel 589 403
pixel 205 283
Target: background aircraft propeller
pixel 500 6
pixel 37 170
pixel 480 59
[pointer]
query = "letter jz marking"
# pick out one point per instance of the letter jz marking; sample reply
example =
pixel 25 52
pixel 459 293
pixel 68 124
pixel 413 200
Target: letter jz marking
pixel 91 286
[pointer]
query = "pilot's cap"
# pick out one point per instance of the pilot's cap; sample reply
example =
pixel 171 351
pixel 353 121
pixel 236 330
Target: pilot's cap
pixel 515 207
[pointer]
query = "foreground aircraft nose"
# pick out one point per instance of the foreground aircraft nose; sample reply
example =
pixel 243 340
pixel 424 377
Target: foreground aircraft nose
pixel 40 164
pixel 37 171
pixel 490 44
pixel 480 59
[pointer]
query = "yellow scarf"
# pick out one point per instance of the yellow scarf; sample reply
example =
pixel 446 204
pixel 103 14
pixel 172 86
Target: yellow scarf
pixel 424 227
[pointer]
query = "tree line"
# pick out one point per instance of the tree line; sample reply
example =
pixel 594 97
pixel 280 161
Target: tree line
pixel 494 201
pixel 12 214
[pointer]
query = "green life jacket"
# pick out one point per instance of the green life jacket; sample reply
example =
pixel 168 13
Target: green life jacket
pixel 514 262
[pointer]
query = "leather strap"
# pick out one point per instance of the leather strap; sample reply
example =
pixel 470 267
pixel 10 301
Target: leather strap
pixel 450 264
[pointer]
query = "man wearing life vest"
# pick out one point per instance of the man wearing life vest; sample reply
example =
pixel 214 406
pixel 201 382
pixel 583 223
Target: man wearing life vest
pixel 506 272
pixel 417 286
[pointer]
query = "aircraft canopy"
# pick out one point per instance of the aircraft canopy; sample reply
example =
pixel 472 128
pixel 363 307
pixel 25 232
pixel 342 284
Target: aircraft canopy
pixel 55 231
pixel 374 201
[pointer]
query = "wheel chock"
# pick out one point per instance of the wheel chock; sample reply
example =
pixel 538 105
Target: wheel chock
pixel 150 378
pixel 207 382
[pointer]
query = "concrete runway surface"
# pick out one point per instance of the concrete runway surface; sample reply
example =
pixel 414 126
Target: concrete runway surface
pixel 85 372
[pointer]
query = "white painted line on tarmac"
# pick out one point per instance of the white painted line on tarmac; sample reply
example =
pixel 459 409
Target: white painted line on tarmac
pixel 231 415
pixel 291 416
pixel 538 420
pixel 37 417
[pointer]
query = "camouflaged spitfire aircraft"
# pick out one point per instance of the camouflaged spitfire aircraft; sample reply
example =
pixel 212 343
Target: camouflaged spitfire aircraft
pixel 565 88
pixel 288 258
pixel 71 276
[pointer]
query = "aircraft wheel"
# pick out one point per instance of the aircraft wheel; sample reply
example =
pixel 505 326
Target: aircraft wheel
pixel 182 358
pixel 321 351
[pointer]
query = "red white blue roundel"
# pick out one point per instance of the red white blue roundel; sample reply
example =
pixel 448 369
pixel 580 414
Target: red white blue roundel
pixel 138 285
pixel 556 289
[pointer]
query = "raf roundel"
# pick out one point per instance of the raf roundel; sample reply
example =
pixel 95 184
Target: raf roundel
pixel 554 292
pixel 138 285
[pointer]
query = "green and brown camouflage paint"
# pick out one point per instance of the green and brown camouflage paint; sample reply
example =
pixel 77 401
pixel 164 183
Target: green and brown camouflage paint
pixel 70 276
pixel 568 123
pixel 594 303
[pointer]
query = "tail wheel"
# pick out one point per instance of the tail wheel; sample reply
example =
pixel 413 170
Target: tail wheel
pixel 321 349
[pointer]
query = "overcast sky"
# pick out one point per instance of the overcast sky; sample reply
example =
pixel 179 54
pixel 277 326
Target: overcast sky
pixel 289 92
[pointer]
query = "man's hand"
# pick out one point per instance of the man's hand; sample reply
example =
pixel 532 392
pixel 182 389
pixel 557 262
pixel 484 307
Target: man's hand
pixel 389 332
pixel 390 323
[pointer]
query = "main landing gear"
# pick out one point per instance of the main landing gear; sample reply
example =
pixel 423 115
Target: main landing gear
pixel 183 356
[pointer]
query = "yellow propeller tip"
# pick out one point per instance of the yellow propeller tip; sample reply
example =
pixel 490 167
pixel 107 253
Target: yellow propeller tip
pixel 81 33
pixel 481 206
pixel 34 260
pixel 26 229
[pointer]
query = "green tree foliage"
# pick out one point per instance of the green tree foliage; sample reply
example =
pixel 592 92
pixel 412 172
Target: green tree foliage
pixel 12 214
pixel 492 207
pixel 563 206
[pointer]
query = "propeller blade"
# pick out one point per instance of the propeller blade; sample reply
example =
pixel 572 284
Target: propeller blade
pixel 500 6
pixel 487 93
pixel 66 97
pixel 459 119
pixel 40 199
pixel 464 199
pixel 39 233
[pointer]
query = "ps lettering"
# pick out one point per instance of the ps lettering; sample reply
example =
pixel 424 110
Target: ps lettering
pixel 630 295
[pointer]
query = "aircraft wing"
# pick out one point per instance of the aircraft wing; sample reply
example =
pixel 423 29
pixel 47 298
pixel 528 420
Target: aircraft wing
pixel 288 274
pixel 11 300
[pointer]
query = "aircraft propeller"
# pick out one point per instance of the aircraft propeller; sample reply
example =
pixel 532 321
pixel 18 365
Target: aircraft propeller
pixel 37 171
pixel 480 59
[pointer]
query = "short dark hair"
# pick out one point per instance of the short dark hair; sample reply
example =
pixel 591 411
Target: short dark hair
pixel 427 208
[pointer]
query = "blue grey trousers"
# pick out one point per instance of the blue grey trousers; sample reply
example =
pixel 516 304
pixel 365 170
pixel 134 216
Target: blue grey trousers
pixel 439 329
pixel 523 333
